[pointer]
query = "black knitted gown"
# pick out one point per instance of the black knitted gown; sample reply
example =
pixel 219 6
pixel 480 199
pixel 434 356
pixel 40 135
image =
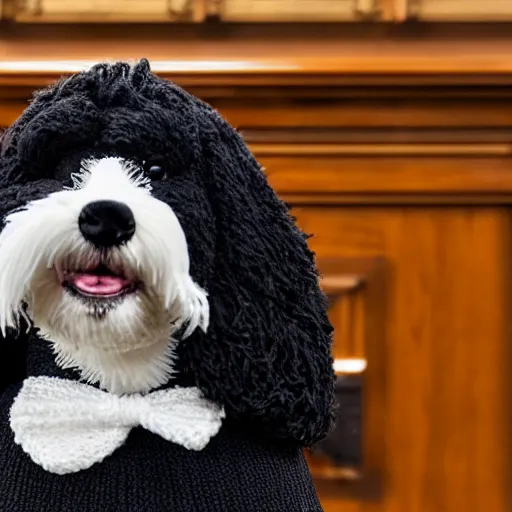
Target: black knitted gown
pixel 265 356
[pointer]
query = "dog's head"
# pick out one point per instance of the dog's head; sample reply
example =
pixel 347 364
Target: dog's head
pixel 141 236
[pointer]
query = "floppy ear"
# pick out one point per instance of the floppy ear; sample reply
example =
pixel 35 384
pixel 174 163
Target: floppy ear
pixel 267 353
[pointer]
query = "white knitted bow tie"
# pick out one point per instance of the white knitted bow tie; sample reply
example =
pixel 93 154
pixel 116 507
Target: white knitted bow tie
pixel 66 426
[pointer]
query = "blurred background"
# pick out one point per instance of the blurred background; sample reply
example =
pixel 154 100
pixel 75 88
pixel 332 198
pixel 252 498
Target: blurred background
pixel 387 125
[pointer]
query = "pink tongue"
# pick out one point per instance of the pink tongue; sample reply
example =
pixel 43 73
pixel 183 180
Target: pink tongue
pixel 99 285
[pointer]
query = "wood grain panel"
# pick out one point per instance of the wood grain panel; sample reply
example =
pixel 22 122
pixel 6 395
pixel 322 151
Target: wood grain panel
pixel 355 113
pixel 261 55
pixel 9 111
pixel 355 288
pixel 387 174
pixel 348 113
pixel 288 10
pixel 345 292
pixel 86 11
pixel 447 350
pixel 461 10
pixel 365 131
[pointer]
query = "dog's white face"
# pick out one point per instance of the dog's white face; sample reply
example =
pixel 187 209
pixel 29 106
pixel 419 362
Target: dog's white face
pixel 103 271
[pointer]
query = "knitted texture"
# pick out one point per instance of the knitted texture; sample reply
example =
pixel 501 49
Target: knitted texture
pixel 66 426
pixel 234 473
pixel 265 357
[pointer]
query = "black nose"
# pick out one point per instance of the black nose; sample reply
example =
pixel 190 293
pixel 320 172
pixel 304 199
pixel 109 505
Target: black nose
pixel 106 223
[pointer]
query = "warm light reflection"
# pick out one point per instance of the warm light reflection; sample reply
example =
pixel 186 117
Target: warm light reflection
pixel 349 365
pixel 73 66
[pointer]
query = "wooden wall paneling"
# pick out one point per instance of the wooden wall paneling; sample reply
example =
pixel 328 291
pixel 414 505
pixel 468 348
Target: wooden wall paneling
pixel 398 159
pixel 367 113
pixel 446 414
pixel 355 288
pixel 10 110
pixel 237 57
pixel 393 174
pixel 295 10
pixel 395 10
pixel 113 11
pixel 255 11
pixel 447 10
pixel 460 10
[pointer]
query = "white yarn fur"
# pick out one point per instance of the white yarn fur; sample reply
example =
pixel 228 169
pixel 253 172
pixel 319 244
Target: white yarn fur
pixel 130 349
pixel 66 426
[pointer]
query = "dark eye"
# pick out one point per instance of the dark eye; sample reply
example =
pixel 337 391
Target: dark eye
pixel 155 172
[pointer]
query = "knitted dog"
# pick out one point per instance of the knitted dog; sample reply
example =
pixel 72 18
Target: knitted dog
pixel 165 344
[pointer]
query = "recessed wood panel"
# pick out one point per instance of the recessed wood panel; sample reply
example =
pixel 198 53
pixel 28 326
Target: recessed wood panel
pixel 80 11
pixel 355 289
pixel 292 10
pixel 368 113
pixel 391 174
pixel 461 10
pixel 444 402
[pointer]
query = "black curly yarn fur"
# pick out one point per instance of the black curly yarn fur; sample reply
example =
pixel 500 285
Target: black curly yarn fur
pixel 266 355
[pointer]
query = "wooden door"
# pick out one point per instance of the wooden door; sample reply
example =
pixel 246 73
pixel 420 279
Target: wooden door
pixel 437 414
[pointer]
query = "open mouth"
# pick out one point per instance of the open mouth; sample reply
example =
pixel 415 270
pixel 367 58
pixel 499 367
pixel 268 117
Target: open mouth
pixel 99 282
